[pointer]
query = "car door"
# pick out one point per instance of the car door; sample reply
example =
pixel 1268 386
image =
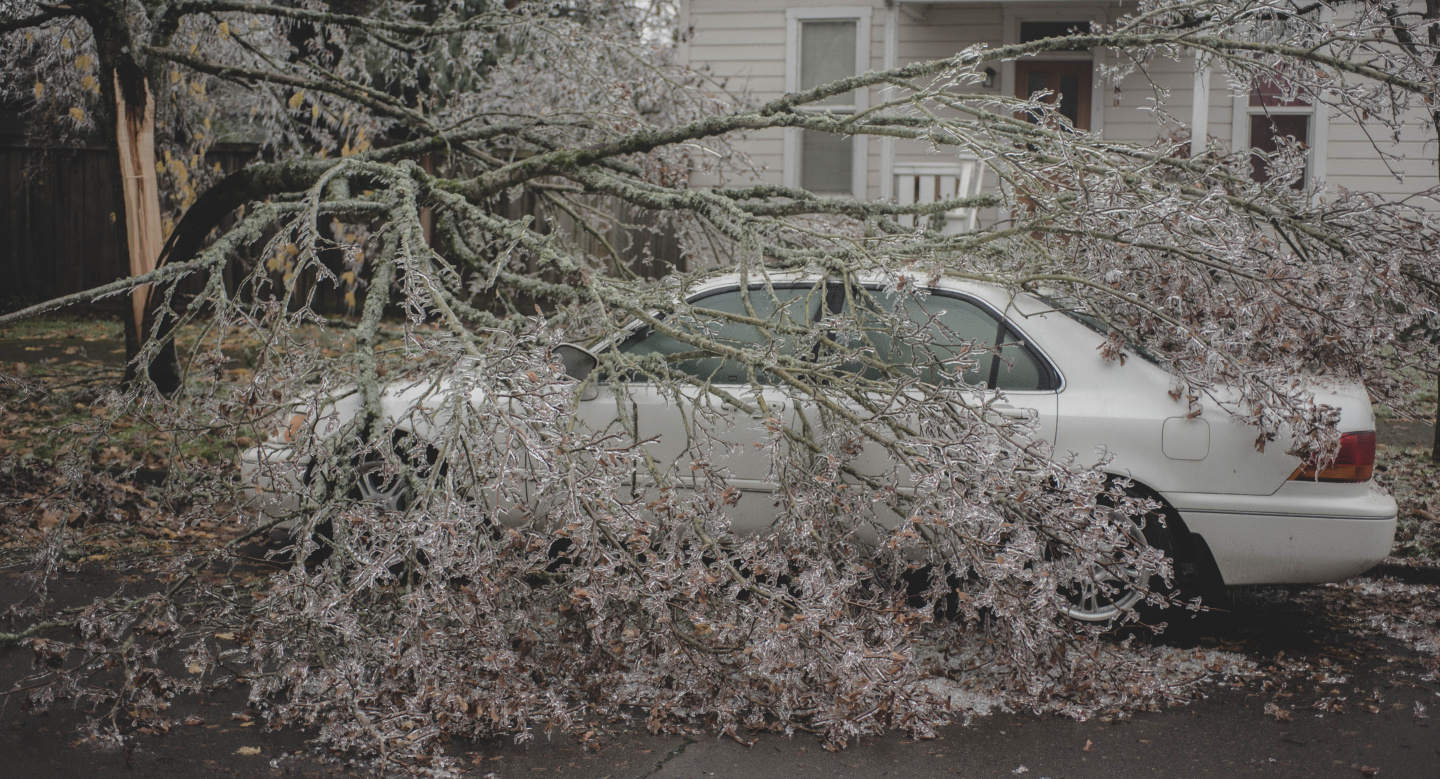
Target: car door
pixel 1010 377
pixel 690 430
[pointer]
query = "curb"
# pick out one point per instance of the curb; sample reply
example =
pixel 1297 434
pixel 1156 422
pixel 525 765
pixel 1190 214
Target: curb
pixel 1409 574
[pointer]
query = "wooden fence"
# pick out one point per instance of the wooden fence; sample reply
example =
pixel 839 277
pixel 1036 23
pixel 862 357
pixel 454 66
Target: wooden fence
pixel 58 228
pixel 59 233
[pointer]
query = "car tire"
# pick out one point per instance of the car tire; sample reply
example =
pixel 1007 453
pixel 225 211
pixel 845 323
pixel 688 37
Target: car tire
pixel 1131 584
pixel 370 484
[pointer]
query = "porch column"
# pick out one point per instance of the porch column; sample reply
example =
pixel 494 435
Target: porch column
pixel 1200 108
pixel 892 57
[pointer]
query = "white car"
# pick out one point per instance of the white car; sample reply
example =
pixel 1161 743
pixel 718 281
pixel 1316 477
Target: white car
pixel 1249 517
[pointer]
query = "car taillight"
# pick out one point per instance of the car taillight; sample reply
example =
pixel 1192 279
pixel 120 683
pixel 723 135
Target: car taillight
pixel 297 421
pixel 1354 463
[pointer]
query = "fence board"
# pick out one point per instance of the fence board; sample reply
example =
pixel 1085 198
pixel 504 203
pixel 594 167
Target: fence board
pixel 57 239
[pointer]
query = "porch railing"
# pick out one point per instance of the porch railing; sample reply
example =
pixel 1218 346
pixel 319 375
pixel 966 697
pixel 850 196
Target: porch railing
pixel 932 182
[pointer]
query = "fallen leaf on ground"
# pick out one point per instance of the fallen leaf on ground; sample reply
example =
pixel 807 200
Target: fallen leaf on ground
pixel 1280 714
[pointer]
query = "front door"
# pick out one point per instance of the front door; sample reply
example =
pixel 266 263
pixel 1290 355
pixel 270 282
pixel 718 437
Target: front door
pixel 1067 82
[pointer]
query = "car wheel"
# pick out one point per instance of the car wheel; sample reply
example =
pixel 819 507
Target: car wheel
pixel 373 485
pixel 369 484
pixel 1116 585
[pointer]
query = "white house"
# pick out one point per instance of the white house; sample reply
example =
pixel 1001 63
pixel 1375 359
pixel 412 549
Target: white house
pixel 770 47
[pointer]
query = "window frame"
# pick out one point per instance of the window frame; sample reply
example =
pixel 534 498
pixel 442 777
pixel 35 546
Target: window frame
pixel 795 18
pixel 1318 157
pixel 1054 379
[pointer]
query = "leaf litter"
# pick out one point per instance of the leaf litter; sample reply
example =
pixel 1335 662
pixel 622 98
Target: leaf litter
pixel 129 525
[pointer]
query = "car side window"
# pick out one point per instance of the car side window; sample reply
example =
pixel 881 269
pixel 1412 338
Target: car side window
pixel 958 330
pixel 1017 367
pixel 781 308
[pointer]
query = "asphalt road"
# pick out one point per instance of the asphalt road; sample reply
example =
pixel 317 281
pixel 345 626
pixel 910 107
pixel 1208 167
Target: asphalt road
pixel 1227 734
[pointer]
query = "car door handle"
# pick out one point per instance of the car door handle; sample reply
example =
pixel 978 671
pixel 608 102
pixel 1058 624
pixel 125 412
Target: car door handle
pixel 1014 412
pixel 775 408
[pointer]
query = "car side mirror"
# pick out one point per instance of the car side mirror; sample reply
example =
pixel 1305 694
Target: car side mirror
pixel 578 361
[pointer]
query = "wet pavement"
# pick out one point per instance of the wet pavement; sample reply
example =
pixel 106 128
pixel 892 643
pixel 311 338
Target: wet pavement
pixel 1334 701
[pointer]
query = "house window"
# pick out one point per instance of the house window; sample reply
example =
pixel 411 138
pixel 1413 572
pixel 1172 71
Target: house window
pixel 826 45
pixel 1271 117
pixel 1263 116
pixel 827 53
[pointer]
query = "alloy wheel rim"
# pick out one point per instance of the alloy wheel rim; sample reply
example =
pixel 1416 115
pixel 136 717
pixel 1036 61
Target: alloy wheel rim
pixel 1127 583
pixel 375 486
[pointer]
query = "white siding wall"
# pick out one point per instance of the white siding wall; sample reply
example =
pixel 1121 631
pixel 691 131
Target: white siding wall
pixel 1355 164
pixel 1130 112
pixel 943 32
pixel 742 45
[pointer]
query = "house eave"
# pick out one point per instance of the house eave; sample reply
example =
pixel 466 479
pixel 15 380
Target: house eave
pixel 926 3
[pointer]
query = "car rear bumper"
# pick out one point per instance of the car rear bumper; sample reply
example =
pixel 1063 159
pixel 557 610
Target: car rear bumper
pixel 1305 533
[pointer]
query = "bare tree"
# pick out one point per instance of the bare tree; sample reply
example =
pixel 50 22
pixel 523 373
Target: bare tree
pixel 435 611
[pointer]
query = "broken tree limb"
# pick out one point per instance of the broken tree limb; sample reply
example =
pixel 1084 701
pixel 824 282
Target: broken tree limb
pixel 135 141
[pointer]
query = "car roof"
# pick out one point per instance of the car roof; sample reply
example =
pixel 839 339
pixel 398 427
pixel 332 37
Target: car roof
pixel 1001 298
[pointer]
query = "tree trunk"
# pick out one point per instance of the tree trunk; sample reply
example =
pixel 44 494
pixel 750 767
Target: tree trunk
pixel 135 145
pixel 427 217
pixel 135 141
pixel 1435 445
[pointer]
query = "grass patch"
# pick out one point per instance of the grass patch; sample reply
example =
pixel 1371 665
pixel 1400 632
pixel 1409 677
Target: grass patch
pixel 84 327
